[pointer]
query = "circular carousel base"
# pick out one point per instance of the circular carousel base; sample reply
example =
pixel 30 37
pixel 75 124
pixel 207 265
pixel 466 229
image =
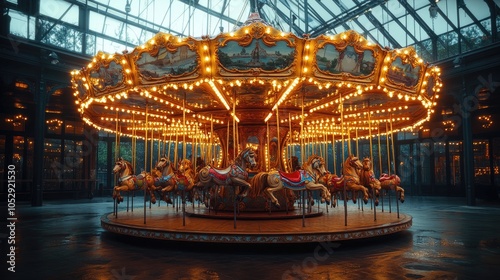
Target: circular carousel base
pixel 198 225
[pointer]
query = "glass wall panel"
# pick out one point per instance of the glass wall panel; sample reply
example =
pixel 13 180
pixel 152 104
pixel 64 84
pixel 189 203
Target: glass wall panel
pixel 423 160
pixel 54 126
pixel 102 166
pixel 73 160
pixel 454 159
pixel 73 127
pixel 61 36
pixel 60 10
pixel 18 155
pixel 406 169
pixel 28 174
pixel 440 163
pixel 53 169
pixel 481 162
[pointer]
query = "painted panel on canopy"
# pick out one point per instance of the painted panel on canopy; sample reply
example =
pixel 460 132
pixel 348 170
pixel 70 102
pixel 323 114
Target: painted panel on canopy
pixel 166 63
pixel 329 59
pixel 106 76
pixel 234 56
pixel 403 73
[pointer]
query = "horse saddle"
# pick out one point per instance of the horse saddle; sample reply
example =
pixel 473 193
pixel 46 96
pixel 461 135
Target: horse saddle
pixel 223 175
pixel 183 182
pixel 338 182
pixel 295 180
pixel 386 176
pixel 160 181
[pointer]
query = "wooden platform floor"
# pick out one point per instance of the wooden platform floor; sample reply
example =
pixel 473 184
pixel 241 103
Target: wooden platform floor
pixel 168 223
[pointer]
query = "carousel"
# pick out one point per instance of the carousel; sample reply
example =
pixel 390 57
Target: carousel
pixel 257 135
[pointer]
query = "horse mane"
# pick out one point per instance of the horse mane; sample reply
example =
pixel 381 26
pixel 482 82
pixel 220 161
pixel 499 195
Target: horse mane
pixel 129 166
pixel 346 168
pixel 239 159
pixel 259 183
pixel 311 159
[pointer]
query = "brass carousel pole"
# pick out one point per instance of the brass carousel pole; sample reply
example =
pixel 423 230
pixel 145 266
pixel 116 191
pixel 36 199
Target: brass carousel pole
pixel 388 149
pixel 392 145
pixel 169 144
pixel 394 162
pixel 134 155
pixel 268 164
pixel 184 145
pixel 333 153
pixel 379 147
pixel 176 144
pixel 184 148
pixel 302 155
pixel 227 144
pixel 357 142
pixel 234 156
pixel 290 143
pixel 343 158
pixel 278 149
pixel 211 147
pixel 380 160
pixel 145 155
pixel 302 138
pixel 234 125
pixel 115 201
pixel 371 158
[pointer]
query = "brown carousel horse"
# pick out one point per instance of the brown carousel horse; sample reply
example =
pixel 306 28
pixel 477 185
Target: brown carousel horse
pixel 235 175
pixel 168 180
pixel 304 179
pixel 392 182
pixel 367 178
pixel 128 181
pixel 350 177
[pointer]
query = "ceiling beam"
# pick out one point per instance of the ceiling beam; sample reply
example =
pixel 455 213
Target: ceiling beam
pixel 345 17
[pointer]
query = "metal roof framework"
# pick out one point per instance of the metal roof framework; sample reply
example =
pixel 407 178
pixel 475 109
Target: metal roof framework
pixel 437 29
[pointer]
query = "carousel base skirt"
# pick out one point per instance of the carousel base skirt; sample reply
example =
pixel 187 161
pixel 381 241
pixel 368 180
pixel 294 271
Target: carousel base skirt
pixel 199 225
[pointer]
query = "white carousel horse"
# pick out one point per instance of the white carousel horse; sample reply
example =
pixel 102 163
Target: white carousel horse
pixel 128 181
pixel 235 175
pixel 304 179
pixel 350 177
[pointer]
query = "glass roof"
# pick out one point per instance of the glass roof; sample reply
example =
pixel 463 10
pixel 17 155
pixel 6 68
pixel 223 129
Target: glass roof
pixel 432 27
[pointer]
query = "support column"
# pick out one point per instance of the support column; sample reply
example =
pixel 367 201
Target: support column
pixel 41 98
pixel 468 153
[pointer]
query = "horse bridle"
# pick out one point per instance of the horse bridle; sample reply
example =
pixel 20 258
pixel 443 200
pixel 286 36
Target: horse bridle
pixel 246 156
pixel 167 162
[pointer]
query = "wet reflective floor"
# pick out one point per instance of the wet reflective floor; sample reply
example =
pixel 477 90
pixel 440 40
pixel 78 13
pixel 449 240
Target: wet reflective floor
pixel 64 240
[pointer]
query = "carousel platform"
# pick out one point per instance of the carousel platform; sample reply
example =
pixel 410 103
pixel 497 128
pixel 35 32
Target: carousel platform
pixel 199 225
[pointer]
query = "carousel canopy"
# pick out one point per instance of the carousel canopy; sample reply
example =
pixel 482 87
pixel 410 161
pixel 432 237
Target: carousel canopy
pixel 253 75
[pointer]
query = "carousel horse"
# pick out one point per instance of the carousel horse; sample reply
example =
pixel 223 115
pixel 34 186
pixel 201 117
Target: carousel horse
pixel 392 182
pixel 185 178
pixel 304 179
pixel 162 177
pixel 349 177
pixel 128 181
pixel 367 178
pixel 166 179
pixel 235 175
